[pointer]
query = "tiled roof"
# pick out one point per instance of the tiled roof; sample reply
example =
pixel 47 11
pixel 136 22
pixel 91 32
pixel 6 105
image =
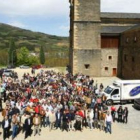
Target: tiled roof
pixel 120 15
pixel 114 29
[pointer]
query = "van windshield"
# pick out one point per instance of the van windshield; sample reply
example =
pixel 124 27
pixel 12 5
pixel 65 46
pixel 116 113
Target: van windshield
pixel 108 90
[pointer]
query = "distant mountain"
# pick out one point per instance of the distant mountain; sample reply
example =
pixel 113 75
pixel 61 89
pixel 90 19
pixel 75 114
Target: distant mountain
pixel 32 40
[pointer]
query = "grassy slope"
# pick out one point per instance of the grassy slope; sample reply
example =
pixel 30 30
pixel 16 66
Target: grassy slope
pixel 55 47
pixel 30 39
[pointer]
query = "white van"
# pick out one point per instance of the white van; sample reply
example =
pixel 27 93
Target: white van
pixel 122 91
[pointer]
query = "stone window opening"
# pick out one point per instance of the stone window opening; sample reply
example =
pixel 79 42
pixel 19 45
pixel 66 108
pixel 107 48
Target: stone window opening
pixel 135 39
pixel 133 59
pixel 110 57
pixel 106 68
pixel 127 40
pixel 87 66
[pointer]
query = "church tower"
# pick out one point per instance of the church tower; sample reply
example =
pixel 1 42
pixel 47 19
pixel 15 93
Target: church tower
pixel 85 39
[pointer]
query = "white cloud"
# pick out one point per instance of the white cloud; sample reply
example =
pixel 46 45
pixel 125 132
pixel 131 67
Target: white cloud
pixel 34 7
pixel 17 24
pixel 63 27
pixel 120 6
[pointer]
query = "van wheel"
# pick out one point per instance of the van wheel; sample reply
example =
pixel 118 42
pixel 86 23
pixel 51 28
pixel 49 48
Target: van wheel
pixel 109 102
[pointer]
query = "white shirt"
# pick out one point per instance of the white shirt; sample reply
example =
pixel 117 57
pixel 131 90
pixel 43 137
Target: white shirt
pixel 108 118
pixel 6 124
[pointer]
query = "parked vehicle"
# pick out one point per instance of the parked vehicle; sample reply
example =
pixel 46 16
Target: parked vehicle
pixel 37 67
pixel 11 67
pixel 137 104
pixel 7 73
pixel 122 91
pixel 24 67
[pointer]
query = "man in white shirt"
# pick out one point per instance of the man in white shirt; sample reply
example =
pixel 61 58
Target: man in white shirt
pixel 108 121
pixel 47 112
pixel 23 118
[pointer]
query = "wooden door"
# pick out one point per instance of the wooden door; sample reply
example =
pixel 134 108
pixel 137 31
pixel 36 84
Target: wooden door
pixel 114 71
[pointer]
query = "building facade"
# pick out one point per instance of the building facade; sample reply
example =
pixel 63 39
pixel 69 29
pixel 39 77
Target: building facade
pixel 95 38
pixel 130 53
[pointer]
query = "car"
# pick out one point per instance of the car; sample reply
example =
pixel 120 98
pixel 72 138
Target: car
pixel 24 67
pixel 37 66
pixel 11 67
pixel 7 73
pixel 137 104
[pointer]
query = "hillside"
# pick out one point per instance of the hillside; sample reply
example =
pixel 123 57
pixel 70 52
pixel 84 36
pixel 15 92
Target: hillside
pixel 56 48
pixel 30 39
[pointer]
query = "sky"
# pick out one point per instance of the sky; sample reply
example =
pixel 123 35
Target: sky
pixel 52 16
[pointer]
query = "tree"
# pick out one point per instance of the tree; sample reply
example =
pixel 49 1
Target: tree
pixel 25 58
pixel 12 53
pixel 42 55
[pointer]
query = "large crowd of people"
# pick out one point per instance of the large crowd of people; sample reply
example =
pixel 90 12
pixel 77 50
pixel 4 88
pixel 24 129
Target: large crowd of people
pixel 54 100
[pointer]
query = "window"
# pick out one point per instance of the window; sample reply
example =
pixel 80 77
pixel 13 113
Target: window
pixel 106 68
pixel 127 40
pixel 110 57
pixel 116 91
pixel 87 66
pixel 135 39
pixel 133 59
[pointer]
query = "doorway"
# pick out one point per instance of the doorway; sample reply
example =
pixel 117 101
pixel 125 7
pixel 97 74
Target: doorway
pixel 114 72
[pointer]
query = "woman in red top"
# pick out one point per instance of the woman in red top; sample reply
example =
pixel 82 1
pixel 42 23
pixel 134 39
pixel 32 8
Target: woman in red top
pixel 113 112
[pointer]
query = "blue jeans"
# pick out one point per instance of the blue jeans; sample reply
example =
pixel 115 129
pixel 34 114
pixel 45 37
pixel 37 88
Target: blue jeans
pixel 15 129
pixel 47 122
pixel 108 127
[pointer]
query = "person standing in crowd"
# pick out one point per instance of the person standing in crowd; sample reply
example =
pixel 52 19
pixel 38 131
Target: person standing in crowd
pixel 108 121
pixel 96 118
pixel 23 118
pixel 102 116
pixel 71 120
pixel 36 122
pixel 52 119
pixel 14 126
pixel 6 127
pixel 90 118
pixel 113 112
pixel 58 119
pixel 120 113
pixel 28 125
pixel 79 117
pixel 47 122
pixel 65 119
pixel 125 115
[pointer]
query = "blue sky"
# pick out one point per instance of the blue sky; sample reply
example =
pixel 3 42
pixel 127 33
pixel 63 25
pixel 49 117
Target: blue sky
pixel 52 16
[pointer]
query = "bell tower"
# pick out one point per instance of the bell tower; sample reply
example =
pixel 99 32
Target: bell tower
pixel 85 39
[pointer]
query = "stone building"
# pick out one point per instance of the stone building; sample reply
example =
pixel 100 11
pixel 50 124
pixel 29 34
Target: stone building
pixel 130 54
pixel 96 37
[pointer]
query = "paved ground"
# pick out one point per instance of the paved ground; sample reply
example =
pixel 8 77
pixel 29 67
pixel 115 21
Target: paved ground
pixel 130 131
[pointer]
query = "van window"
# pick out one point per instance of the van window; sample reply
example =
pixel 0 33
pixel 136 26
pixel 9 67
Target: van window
pixel 108 90
pixel 116 91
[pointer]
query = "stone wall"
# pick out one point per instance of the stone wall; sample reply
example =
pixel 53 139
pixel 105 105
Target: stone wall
pixel 86 10
pixel 87 62
pixel 86 46
pixel 109 59
pixel 130 59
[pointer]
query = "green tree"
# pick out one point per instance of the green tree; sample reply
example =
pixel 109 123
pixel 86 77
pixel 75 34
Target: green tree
pixel 42 55
pixel 12 53
pixel 25 58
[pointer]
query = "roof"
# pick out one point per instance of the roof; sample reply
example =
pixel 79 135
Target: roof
pixel 114 29
pixel 134 27
pixel 120 15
